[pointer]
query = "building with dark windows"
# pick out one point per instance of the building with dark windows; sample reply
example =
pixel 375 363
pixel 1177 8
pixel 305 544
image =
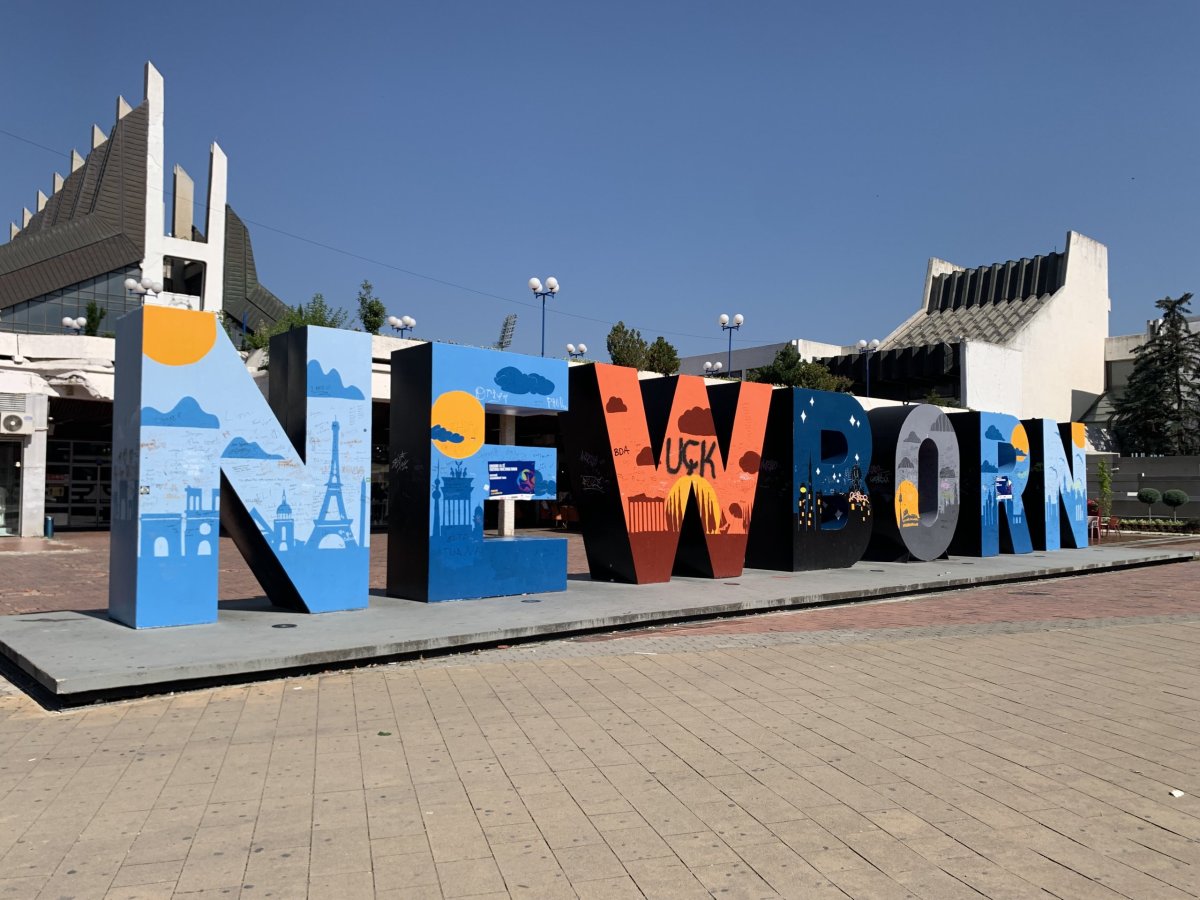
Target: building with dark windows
pixel 103 226
pixel 1025 337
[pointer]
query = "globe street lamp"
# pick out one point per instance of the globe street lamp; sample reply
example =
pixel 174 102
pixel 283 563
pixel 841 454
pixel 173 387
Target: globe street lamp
pixel 551 288
pixel 402 324
pixel 147 287
pixel 868 349
pixel 576 352
pixel 712 368
pixel 731 327
pixel 75 326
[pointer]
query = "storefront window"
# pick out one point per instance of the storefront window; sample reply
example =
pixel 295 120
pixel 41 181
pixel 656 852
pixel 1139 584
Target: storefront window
pixel 10 487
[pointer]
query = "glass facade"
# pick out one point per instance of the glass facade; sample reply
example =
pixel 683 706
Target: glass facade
pixel 10 487
pixel 44 315
pixel 79 483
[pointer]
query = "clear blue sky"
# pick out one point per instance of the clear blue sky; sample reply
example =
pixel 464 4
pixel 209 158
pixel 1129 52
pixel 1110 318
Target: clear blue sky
pixel 797 162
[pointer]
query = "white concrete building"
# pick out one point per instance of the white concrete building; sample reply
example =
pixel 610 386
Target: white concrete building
pixel 102 227
pixel 1025 337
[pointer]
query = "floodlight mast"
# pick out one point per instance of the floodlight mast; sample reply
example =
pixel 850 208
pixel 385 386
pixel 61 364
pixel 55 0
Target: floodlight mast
pixel 506 331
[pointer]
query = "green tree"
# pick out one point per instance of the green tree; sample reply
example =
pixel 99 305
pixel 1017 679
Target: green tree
pixel 661 357
pixel 316 312
pixel 95 315
pixel 626 347
pixel 933 398
pixel 1175 498
pixel 789 370
pixel 1149 496
pixel 371 311
pixel 1159 411
pixel 1104 481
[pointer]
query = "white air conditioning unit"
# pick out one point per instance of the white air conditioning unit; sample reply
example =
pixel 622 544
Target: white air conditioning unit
pixel 16 419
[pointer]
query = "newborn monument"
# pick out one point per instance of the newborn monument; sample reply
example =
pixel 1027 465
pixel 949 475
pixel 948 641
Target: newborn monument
pixel 671 476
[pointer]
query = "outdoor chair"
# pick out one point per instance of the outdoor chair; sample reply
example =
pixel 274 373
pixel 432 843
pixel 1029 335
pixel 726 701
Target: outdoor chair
pixel 1112 523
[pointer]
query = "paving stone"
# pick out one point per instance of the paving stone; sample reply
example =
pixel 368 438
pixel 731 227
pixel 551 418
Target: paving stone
pixel 948 746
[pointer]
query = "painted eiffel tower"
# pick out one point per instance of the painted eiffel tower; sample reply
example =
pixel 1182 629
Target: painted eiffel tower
pixel 325 525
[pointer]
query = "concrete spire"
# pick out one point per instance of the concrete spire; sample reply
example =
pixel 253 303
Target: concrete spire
pixel 41 201
pixel 98 136
pixel 185 191
pixel 123 108
pixel 76 161
pixel 155 174
pixel 58 182
pixel 26 215
pixel 13 230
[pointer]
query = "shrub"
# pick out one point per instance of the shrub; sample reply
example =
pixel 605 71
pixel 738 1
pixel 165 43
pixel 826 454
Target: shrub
pixel 1104 481
pixel 1149 496
pixel 1175 498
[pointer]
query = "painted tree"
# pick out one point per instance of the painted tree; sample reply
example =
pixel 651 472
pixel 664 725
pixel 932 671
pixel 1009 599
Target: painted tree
pixel 1159 412
pixel 371 311
pixel 661 357
pixel 790 370
pixel 626 347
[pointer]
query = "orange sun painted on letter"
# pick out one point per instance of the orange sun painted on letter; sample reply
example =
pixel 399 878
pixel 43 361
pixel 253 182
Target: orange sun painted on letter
pixel 457 421
pixel 177 337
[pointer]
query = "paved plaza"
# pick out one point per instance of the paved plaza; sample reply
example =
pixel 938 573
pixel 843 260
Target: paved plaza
pixel 1013 741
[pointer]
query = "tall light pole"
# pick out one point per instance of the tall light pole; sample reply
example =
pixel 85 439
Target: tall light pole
pixel 75 326
pixel 731 327
pixel 402 324
pixel 576 352
pixel 868 349
pixel 712 368
pixel 535 285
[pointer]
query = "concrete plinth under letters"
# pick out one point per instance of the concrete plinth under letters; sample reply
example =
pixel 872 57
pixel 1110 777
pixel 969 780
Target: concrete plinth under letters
pixel 79 657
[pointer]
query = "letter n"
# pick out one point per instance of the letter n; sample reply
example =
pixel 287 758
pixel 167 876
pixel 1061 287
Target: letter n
pixel 1057 484
pixel 197 446
pixel 641 521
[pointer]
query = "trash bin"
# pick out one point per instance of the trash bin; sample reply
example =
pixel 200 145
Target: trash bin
pixel 49 529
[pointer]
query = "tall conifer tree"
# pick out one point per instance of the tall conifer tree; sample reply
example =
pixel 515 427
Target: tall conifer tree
pixel 1159 412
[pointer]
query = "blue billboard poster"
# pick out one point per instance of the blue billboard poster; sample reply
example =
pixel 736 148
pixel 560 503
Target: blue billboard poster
pixel 1004 488
pixel 509 480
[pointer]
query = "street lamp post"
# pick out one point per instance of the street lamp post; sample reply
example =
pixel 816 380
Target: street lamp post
pixel 731 327
pixel 147 287
pixel 576 352
pixel 712 368
pixel 402 324
pixel 75 326
pixel 551 288
pixel 868 349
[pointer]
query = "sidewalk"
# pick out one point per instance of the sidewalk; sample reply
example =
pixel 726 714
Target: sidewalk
pixel 82 657
pixel 890 749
